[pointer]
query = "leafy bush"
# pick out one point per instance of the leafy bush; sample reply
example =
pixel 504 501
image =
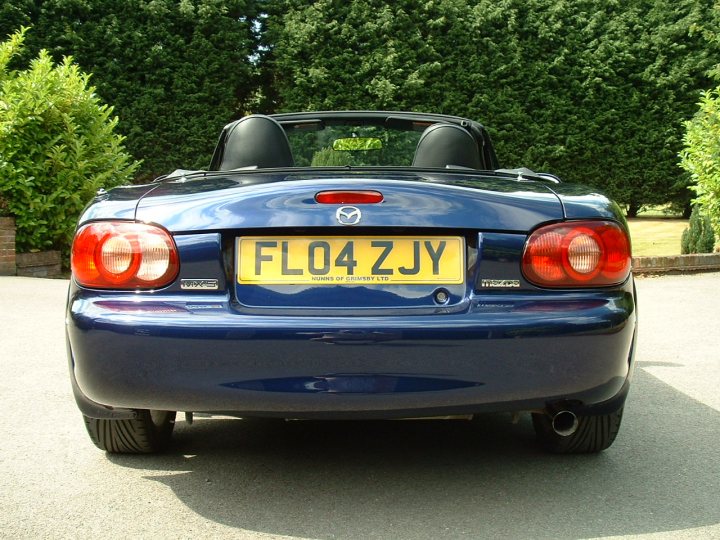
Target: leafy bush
pixel 699 237
pixel 701 155
pixel 57 147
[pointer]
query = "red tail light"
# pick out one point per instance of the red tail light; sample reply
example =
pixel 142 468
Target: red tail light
pixel 349 197
pixel 123 255
pixel 577 254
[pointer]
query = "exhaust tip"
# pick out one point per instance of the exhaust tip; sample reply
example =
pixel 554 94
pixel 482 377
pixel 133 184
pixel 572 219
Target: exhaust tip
pixel 565 423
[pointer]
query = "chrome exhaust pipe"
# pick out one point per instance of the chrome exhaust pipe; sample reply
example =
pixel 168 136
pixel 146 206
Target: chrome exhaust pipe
pixel 565 423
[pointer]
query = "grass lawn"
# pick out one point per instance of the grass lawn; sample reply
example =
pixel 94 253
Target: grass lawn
pixel 656 237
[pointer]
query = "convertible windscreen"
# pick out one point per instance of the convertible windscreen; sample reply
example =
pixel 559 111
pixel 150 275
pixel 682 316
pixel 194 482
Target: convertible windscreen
pixel 337 145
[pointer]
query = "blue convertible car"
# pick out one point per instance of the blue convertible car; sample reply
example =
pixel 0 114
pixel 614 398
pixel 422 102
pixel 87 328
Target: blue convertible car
pixel 338 265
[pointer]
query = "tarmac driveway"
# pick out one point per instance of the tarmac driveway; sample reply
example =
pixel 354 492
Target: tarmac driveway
pixel 234 478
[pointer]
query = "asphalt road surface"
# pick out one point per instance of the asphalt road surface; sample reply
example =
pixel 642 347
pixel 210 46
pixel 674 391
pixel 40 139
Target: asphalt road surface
pixel 230 478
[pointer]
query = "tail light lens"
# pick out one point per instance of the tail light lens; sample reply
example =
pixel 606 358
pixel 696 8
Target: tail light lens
pixel 123 255
pixel 577 254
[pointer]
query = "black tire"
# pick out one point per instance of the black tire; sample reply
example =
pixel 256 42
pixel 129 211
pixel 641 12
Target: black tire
pixel 148 433
pixel 593 434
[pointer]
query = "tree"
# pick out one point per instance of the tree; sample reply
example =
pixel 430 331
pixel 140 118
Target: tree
pixel 14 15
pixel 175 71
pixel 58 146
pixel 361 54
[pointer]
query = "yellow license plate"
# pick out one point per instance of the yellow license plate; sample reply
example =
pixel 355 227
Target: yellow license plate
pixel 353 260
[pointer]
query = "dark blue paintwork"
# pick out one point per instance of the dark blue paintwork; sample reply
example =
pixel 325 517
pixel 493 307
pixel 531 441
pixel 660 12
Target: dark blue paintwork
pixel 360 351
pixel 410 200
pixel 582 202
pixel 118 203
pixel 199 354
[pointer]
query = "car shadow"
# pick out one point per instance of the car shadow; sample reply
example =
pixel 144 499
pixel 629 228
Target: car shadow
pixel 427 479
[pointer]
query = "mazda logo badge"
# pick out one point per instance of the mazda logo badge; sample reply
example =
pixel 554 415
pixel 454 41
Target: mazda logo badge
pixel 348 215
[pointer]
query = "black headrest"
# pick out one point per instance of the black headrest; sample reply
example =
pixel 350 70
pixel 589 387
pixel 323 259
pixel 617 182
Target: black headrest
pixel 256 140
pixel 441 145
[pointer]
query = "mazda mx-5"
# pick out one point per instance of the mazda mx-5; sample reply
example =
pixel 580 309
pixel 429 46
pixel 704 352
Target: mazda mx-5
pixel 351 265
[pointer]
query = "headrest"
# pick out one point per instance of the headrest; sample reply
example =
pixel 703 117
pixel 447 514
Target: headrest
pixel 256 140
pixel 441 145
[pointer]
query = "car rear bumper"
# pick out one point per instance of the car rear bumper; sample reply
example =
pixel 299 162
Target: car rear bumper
pixel 505 353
